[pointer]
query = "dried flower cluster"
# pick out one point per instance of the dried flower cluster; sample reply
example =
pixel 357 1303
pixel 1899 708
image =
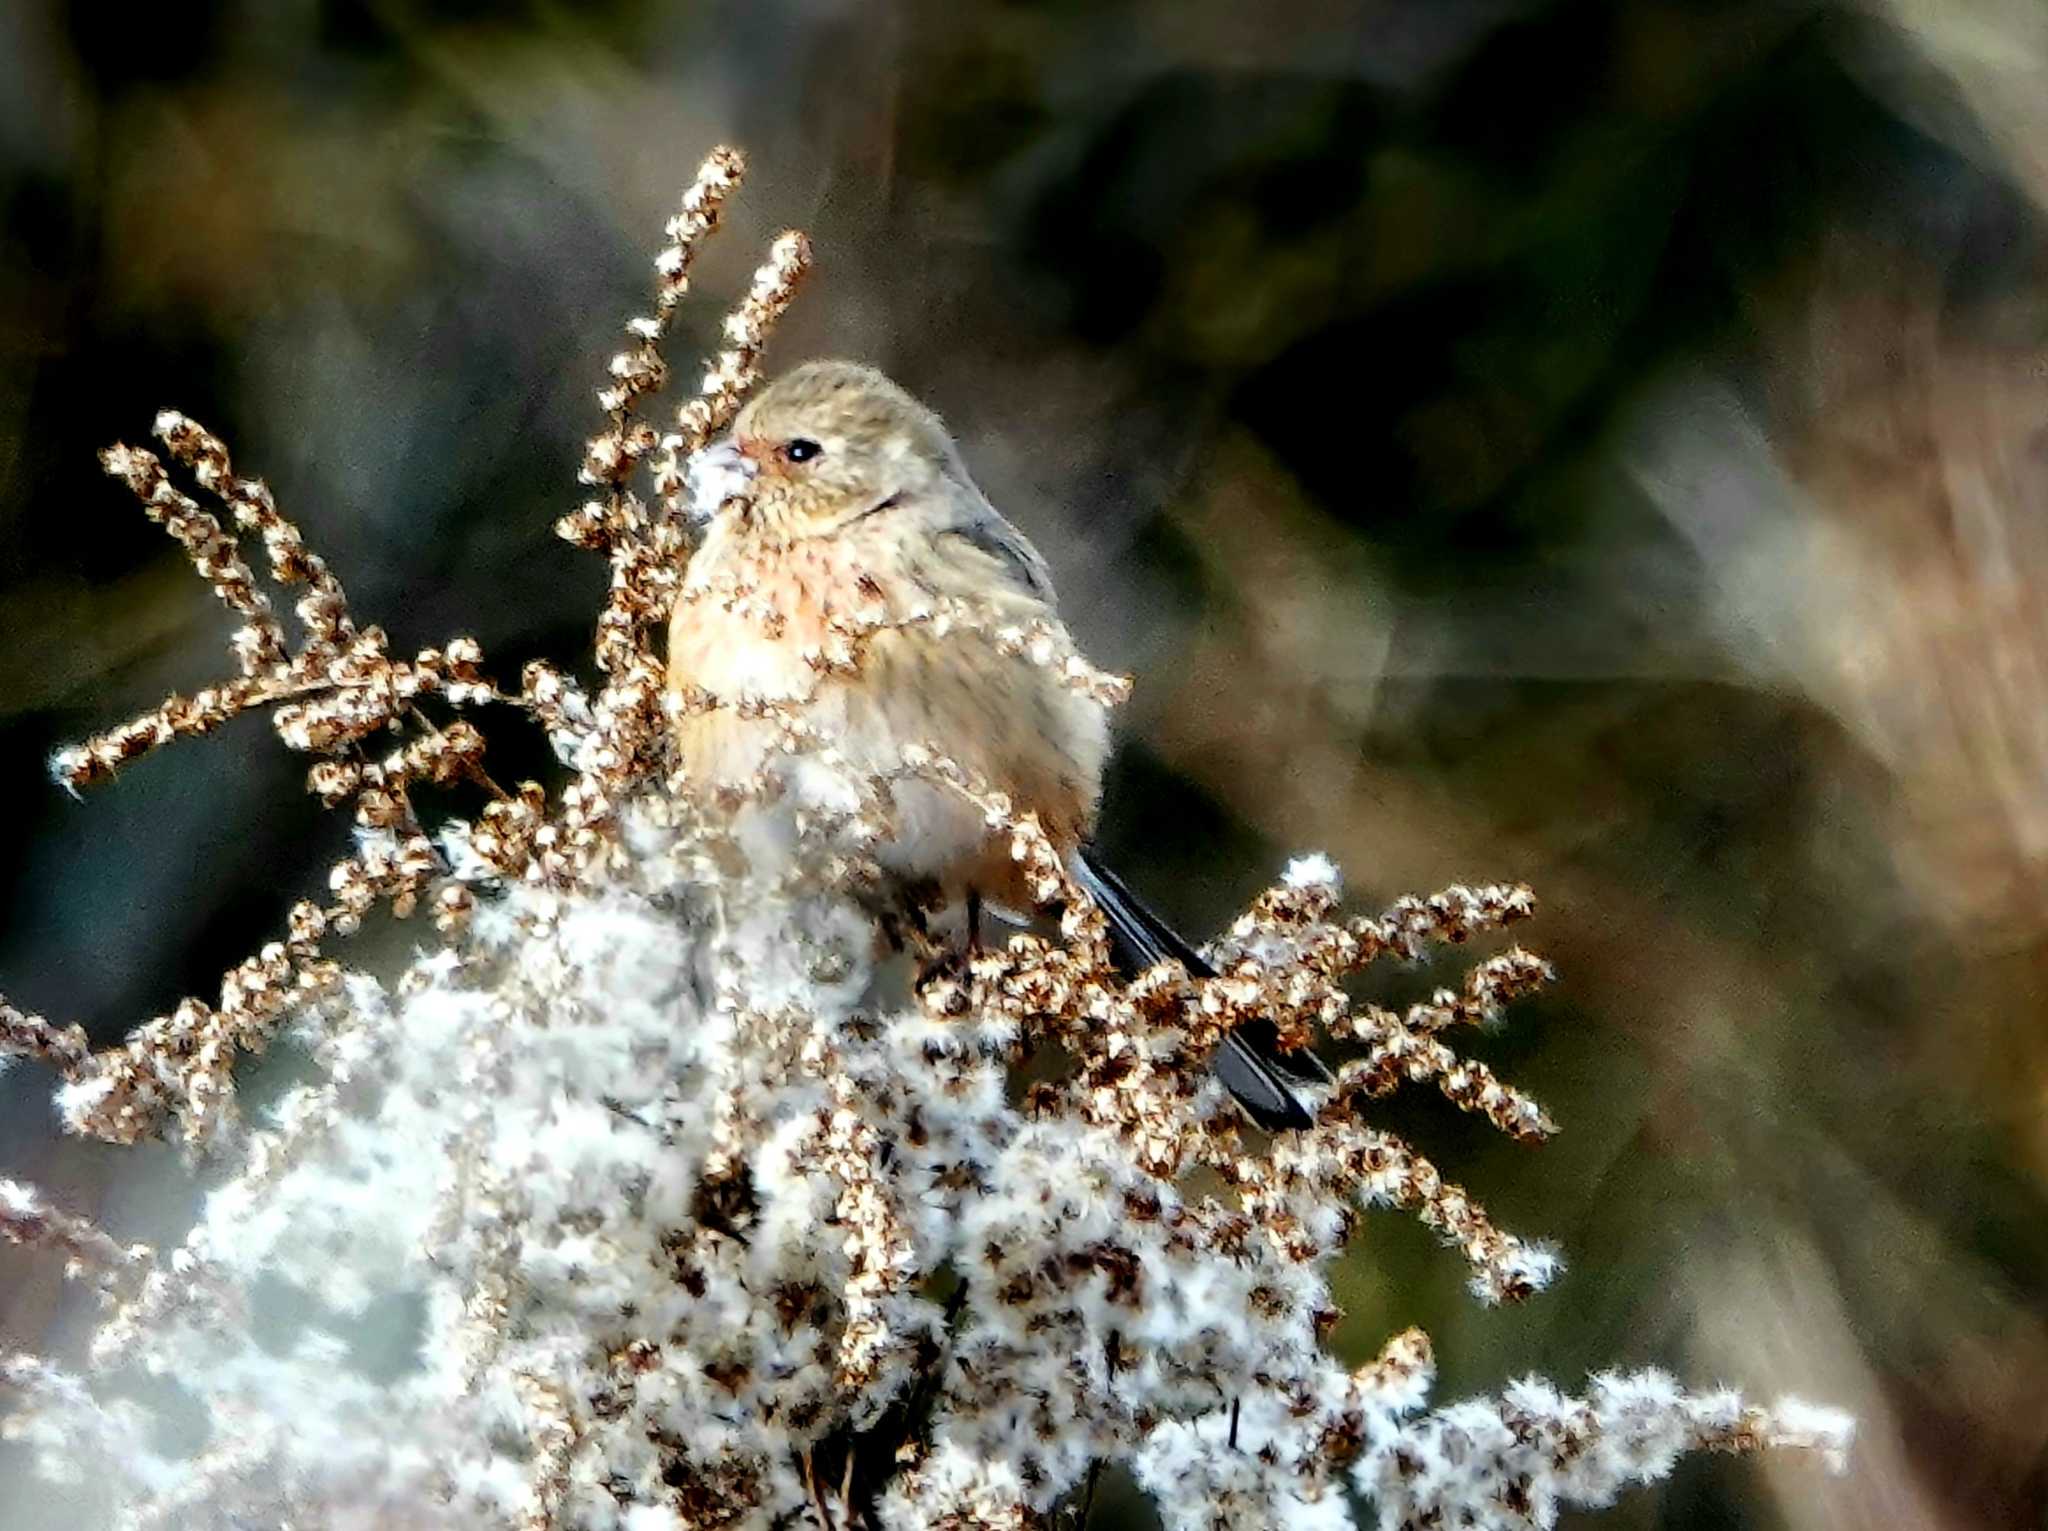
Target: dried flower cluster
pixel 665 1192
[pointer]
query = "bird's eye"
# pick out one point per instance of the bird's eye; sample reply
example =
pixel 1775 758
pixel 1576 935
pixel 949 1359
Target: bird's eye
pixel 801 449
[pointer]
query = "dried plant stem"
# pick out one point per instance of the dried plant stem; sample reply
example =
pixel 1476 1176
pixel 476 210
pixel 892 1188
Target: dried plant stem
pixel 24 1035
pixel 27 1219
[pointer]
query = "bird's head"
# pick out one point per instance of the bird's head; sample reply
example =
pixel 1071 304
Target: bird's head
pixel 832 442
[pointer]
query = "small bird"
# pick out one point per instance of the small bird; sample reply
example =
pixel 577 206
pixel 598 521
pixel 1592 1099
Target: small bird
pixel 857 505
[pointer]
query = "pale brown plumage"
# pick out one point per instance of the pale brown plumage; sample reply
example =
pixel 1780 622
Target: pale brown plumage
pixel 859 509
pixel 881 523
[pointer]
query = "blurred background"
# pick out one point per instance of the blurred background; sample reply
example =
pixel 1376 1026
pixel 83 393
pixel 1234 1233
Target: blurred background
pixel 1603 445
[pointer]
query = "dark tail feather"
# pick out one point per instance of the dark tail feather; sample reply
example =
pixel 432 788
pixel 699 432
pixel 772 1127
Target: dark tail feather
pixel 1249 1062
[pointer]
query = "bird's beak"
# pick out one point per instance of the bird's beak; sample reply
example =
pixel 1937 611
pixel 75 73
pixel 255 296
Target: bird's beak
pixel 715 474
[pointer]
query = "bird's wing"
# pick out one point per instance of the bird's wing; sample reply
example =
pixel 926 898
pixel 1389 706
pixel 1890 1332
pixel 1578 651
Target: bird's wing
pixel 981 525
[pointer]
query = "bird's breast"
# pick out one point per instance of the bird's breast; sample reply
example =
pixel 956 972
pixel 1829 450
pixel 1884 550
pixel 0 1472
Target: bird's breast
pixel 832 641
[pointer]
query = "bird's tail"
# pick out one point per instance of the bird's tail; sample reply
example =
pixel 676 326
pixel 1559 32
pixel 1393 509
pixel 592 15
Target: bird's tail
pixel 1261 1078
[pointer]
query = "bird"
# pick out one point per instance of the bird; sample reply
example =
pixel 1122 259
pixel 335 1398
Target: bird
pixel 838 494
